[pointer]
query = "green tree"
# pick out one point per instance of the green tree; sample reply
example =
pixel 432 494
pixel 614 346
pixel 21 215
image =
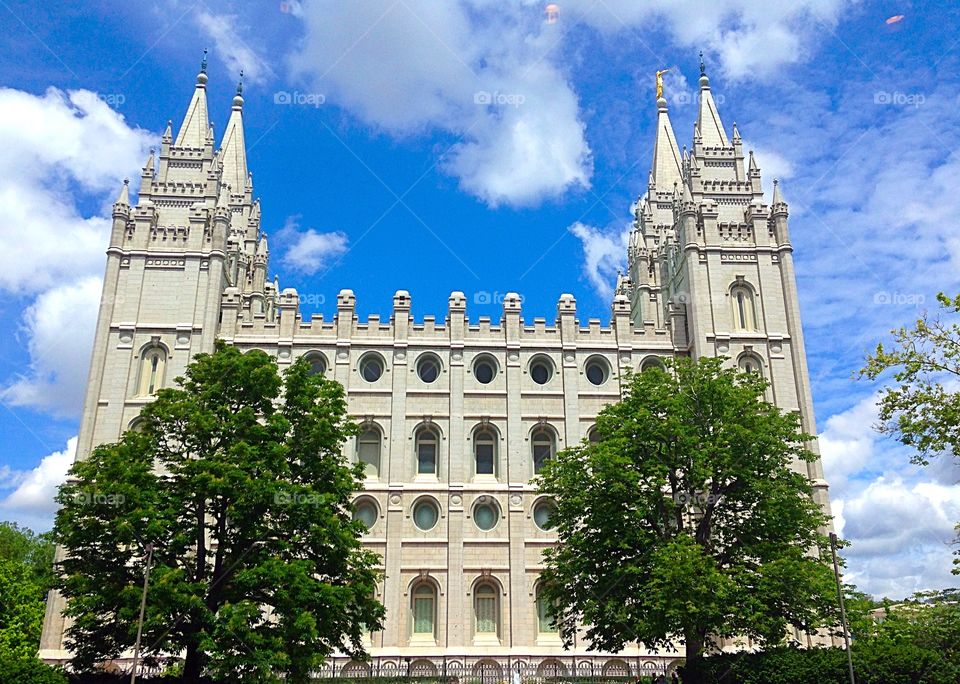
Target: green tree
pixel 26 574
pixel 921 409
pixel 692 517
pixel 237 480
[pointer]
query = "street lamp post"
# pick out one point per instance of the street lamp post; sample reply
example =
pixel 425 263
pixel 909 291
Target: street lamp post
pixel 843 610
pixel 143 608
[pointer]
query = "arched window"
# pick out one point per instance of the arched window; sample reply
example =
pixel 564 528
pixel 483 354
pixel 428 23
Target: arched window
pixel 424 610
pixel 743 307
pixel 368 452
pixel 544 447
pixel 152 364
pixel 318 364
pixel 750 363
pixel 593 436
pixel 544 621
pixel 485 451
pixel 486 610
pixel 427 447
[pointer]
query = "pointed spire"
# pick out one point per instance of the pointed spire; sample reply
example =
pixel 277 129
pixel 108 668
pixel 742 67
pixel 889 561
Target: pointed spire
pixel 736 133
pixel 193 130
pixel 168 133
pixel 124 197
pixel 233 149
pixel 752 167
pixel 666 170
pixel 262 249
pixel 777 195
pixel 709 125
pixel 148 168
pixel 223 199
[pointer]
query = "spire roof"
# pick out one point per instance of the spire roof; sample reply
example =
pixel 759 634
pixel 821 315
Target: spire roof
pixel 124 197
pixel 666 169
pixel 709 125
pixel 233 148
pixel 777 195
pixel 193 130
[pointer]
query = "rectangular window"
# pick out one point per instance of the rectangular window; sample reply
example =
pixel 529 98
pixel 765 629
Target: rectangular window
pixel 544 623
pixel 484 459
pixel 541 454
pixel 486 615
pixel 427 459
pixel 369 455
pixel 423 615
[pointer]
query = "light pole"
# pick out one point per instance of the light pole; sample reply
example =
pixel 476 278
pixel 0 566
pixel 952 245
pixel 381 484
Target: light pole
pixel 843 610
pixel 143 608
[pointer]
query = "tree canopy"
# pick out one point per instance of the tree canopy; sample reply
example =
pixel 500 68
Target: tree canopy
pixel 26 574
pixel 691 518
pixel 237 480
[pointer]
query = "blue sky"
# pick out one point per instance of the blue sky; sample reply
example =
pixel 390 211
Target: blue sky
pixel 384 173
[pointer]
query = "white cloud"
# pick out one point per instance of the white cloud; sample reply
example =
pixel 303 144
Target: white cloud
pixel 483 76
pixel 749 37
pixel 59 328
pixel 58 148
pixel 308 251
pixel 62 151
pixel 899 517
pixel 231 48
pixel 604 254
pixel 31 503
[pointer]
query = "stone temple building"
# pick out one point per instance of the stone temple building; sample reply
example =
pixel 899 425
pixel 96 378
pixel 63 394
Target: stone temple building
pixel 457 414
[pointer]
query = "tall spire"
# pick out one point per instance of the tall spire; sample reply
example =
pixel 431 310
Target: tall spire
pixel 233 149
pixel 666 170
pixel 124 197
pixel 709 124
pixel 193 130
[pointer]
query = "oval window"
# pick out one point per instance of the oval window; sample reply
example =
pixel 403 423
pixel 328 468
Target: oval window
pixel 540 371
pixel 366 512
pixel 425 514
pixel 428 368
pixel 484 370
pixel 485 516
pixel 543 514
pixel 596 371
pixel 371 367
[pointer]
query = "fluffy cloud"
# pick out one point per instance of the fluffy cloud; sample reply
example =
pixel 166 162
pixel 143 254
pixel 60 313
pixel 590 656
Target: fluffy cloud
pixel 308 251
pixel 231 48
pixel 31 503
pixel 898 517
pixel 62 152
pixel 604 255
pixel 59 329
pixel 485 77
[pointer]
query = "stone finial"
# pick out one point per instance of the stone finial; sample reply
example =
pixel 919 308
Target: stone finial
pixel 401 300
pixel 457 301
pixel 621 305
pixel 567 304
pixel 511 302
pixel 345 299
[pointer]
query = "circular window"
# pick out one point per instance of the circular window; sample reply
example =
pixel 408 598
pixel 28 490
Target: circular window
pixel 366 512
pixel 596 371
pixel 318 364
pixel 652 362
pixel 425 514
pixel 543 514
pixel 428 368
pixel 486 515
pixel 371 367
pixel 484 370
pixel 541 370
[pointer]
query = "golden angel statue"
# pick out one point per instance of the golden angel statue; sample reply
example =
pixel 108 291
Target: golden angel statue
pixel 660 82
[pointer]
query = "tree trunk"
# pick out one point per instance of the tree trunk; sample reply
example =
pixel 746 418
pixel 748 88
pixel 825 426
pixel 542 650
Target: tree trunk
pixel 192 665
pixel 693 669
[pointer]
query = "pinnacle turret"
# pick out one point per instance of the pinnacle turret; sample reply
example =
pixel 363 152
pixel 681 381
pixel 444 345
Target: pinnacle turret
pixel 666 169
pixel 709 126
pixel 196 121
pixel 233 149
pixel 124 197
